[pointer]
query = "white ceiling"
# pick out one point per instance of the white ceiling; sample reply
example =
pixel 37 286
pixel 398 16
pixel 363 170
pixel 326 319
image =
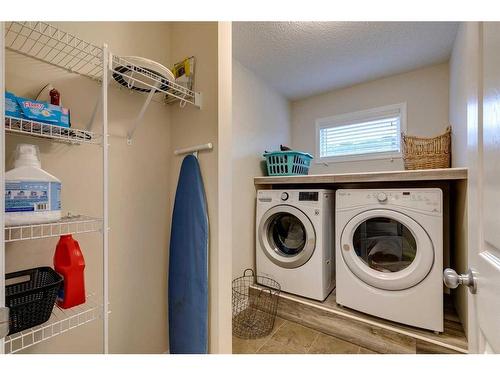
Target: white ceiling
pixel 300 59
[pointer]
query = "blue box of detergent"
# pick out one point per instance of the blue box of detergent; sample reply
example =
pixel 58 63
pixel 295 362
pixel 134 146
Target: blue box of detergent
pixel 12 108
pixel 36 110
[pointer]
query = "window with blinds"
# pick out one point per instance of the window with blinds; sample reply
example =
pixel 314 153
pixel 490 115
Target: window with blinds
pixel 371 134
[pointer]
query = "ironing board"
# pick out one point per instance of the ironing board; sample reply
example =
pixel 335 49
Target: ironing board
pixel 188 264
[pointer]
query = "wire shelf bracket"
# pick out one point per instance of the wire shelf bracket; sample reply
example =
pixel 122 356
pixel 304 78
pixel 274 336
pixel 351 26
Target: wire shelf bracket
pixel 98 104
pixel 140 116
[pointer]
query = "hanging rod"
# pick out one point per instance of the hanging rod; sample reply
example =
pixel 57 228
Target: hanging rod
pixel 193 149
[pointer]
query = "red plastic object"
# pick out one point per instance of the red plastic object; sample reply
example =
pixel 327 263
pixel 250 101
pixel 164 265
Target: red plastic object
pixel 69 263
pixel 55 97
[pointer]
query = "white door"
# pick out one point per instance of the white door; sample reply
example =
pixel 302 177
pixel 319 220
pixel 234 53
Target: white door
pixel 484 198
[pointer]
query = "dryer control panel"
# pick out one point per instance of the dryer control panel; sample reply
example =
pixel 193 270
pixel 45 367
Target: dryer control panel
pixel 430 200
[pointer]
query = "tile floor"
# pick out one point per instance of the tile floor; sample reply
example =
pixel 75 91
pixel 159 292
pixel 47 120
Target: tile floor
pixel 291 338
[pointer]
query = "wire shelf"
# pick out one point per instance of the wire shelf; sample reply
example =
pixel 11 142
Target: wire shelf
pixel 125 71
pixel 52 45
pixel 58 133
pixel 67 225
pixel 61 321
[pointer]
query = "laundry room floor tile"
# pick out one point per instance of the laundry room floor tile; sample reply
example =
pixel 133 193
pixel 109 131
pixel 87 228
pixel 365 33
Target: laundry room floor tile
pixel 292 338
pixel 366 351
pixel 250 346
pixel 295 337
pixel 325 344
pixel 272 347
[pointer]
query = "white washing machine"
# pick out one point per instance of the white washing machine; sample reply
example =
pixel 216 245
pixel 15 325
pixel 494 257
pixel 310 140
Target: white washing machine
pixel 295 240
pixel 389 254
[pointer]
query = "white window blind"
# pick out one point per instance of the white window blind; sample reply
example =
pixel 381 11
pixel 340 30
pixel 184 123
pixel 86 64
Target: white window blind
pixel 369 133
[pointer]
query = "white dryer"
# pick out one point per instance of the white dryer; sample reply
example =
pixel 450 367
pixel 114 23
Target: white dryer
pixel 295 240
pixel 389 254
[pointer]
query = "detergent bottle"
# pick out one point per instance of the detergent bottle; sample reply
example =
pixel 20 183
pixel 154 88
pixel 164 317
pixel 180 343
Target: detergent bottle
pixel 32 196
pixel 69 263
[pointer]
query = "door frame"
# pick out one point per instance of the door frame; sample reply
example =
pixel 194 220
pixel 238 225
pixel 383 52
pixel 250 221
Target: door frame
pixel 474 144
pixel 220 334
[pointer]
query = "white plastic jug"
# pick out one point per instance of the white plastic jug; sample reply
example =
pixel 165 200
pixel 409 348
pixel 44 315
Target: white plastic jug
pixel 32 196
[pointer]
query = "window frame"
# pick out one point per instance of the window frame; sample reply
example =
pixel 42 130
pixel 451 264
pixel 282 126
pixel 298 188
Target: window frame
pixel 361 116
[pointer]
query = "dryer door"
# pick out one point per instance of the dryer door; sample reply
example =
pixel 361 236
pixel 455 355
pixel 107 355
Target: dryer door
pixel 387 249
pixel 287 236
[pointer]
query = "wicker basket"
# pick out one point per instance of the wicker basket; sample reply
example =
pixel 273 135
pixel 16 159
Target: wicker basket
pixel 427 153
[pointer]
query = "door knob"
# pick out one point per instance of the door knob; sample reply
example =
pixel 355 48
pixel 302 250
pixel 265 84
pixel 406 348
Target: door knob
pixel 452 279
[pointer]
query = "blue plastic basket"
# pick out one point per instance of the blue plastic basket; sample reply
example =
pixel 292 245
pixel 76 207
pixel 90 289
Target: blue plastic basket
pixel 287 163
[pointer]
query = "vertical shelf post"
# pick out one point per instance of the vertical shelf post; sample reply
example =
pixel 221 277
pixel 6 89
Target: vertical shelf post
pixel 105 169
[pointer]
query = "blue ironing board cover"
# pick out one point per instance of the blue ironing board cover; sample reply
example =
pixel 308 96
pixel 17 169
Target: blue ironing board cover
pixel 188 264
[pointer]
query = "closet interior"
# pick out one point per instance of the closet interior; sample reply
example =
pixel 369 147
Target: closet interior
pixel 131 122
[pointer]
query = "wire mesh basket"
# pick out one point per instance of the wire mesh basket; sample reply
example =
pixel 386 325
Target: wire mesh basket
pixel 255 303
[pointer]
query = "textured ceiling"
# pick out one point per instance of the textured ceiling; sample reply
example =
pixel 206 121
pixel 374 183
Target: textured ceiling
pixel 300 59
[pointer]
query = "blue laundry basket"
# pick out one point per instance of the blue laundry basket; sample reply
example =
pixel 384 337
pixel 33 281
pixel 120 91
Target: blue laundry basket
pixel 287 163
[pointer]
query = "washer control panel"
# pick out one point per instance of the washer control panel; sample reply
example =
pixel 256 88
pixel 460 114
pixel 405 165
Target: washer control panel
pixel 419 199
pixel 308 196
pixel 303 197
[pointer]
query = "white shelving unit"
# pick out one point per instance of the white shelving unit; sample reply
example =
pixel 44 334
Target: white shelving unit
pixel 61 321
pixel 51 45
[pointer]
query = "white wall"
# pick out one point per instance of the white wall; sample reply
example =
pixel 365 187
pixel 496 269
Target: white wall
pixel 424 90
pixel 191 126
pixel 261 121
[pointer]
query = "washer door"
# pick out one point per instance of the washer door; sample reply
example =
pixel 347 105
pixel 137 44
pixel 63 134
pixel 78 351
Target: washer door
pixel 387 249
pixel 287 236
